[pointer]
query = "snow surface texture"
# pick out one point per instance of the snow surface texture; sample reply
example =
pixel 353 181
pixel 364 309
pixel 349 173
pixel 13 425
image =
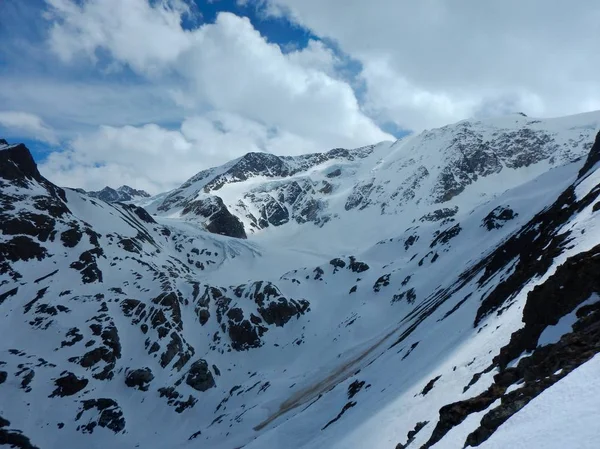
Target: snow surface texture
pixel 439 291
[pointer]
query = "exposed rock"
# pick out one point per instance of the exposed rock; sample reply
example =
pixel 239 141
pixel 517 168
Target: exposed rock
pixel 17 165
pixel 346 407
pixel 123 193
pixel 355 387
pixel 338 264
pixel 445 236
pixel 356 266
pixel 104 413
pixel 440 214
pixel 219 219
pixel 13 438
pixel 498 217
pixel 199 376
pixel 334 173
pixel 139 378
pixel 68 385
pixel 410 437
pixel 71 237
pixel 430 385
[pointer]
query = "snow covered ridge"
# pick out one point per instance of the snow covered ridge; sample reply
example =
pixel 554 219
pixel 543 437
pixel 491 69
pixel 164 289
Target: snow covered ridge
pixel 122 194
pixel 412 177
pixel 444 327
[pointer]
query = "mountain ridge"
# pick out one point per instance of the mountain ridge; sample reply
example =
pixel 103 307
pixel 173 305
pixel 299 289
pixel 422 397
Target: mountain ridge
pixel 120 194
pixel 439 327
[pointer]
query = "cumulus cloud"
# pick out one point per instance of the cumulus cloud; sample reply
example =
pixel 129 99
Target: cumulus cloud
pixel 234 91
pixel 158 159
pixel 429 62
pixel 28 125
pixel 144 36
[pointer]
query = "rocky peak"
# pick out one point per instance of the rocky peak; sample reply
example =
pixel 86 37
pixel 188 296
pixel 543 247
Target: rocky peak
pixel 250 165
pixel 593 157
pixel 133 192
pixel 123 193
pixel 17 163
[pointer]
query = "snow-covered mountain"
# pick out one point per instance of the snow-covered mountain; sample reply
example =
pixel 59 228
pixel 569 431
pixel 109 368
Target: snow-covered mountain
pixel 120 195
pixel 440 291
pixel 427 177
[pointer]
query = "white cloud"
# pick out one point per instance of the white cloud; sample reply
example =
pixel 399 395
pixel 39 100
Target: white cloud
pixel 146 37
pixel 157 159
pixel 73 105
pixel 233 91
pixel 429 62
pixel 28 125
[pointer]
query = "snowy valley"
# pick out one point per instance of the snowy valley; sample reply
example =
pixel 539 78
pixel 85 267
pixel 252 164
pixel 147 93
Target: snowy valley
pixel 440 291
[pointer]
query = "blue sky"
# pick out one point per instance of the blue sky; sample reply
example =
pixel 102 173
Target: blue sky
pixel 26 29
pixel 102 91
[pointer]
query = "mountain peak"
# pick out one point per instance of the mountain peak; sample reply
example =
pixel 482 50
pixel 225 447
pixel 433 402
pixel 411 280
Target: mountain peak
pixel 133 192
pixel 336 320
pixel 121 194
pixel 16 162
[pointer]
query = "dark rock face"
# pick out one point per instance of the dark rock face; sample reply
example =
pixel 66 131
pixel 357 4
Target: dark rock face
pixel 476 156
pixel 4 296
pixel 593 157
pixel 139 378
pixel 356 266
pixel 13 438
pixel 199 376
pixel 140 213
pixel 36 225
pixel 346 407
pixel 21 248
pixel 123 193
pixel 104 413
pixel 250 165
pixel 273 204
pixel 103 358
pixel 383 281
pixel 498 217
pixel 176 400
pixel 71 237
pixel 68 385
pixel 355 387
pixel 338 264
pixel 574 282
pixel 445 236
pixel 410 437
pixel 245 335
pixel 88 267
pixel 334 173
pixel 359 198
pixel 273 213
pixel 284 201
pixel 430 385
pixel 17 165
pixel 270 307
pixel 28 226
pixel 220 220
pixel 440 214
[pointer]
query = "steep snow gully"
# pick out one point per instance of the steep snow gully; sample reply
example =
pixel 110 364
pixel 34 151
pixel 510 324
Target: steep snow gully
pixel 440 291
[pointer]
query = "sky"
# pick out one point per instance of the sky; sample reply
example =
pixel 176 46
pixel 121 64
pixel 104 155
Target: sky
pixel 149 92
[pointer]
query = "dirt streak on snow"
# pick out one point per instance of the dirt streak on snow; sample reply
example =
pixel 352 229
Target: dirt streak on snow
pixel 338 376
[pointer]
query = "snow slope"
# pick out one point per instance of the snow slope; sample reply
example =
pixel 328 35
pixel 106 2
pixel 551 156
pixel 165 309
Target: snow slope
pixel 389 311
pixel 554 420
pixel 451 170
